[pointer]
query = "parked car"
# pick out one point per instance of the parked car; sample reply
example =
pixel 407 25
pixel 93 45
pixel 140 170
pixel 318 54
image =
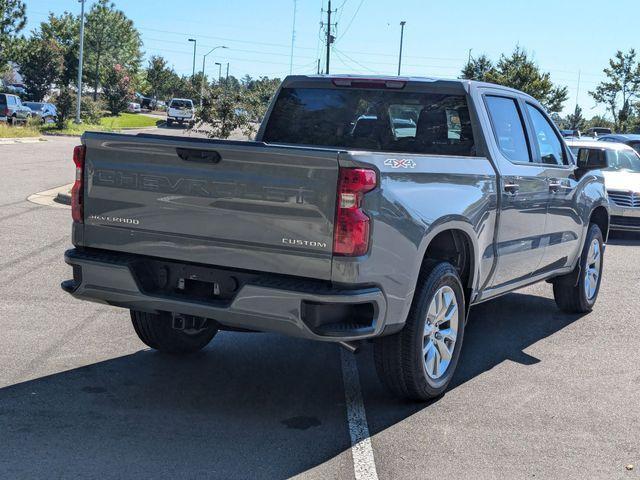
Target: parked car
pixel 620 165
pixel 134 107
pixel 19 88
pixel 12 110
pixel 598 131
pixel 571 133
pixel 633 140
pixel 181 110
pixel 340 234
pixel 45 111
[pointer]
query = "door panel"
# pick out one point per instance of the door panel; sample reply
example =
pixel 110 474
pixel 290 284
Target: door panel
pixel 564 220
pixel 524 193
pixel 522 224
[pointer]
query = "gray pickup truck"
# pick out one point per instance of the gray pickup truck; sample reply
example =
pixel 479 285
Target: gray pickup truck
pixel 374 209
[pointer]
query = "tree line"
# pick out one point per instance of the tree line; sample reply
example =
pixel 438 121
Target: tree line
pixel 47 59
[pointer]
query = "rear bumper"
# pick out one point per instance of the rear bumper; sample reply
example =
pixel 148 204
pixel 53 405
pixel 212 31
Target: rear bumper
pixel 289 306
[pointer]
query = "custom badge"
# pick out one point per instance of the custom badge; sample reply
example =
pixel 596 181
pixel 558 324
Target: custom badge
pixel 400 163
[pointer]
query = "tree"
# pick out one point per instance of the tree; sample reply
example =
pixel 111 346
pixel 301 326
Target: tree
pixel 239 105
pixel 111 39
pixel 117 89
pixel 257 97
pixel 223 111
pixel 598 121
pixel 478 68
pixel 41 65
pixel 65 31
pixel 520 72
pixel 621 89
pixel 12 20
pixel 576 120
pixel 159 77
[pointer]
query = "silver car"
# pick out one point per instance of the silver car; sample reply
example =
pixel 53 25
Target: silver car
pixel 620 165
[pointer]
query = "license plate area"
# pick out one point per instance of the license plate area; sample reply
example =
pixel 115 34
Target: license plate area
pixel 189 282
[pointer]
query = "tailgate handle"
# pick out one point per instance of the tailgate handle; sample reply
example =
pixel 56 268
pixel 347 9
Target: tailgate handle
pixel 199 156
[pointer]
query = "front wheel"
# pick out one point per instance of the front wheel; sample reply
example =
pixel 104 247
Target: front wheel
pixel 419 361
pixel 578 291
pixel 169 334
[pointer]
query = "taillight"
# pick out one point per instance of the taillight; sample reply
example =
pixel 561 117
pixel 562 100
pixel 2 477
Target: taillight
pixel 77 189
pixel 351 229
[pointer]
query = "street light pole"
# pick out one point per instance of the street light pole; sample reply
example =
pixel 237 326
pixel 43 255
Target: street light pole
pixel 204 57
pixel 219 71
pixel 402 24
pixel 193 73
pixel 79 97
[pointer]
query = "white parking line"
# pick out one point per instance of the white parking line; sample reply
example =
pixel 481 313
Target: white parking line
pixel 364 465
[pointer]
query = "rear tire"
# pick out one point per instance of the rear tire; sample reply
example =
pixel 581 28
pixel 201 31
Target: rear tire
pixel 157 332
pixel 578 291
pixel 169 123
pixel 406 361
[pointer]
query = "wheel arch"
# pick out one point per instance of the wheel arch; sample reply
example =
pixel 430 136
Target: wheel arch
pixel 454 242
pixel 600 216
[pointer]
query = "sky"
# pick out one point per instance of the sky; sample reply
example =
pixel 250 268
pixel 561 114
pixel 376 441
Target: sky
pixel 567 38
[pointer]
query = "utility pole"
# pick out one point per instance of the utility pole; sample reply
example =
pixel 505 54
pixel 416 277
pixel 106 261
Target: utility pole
pixel 227 77
pixel 318 70
pixel 402 24
pixel 575 112
pixel 193 73
pixel 79 97
pixel 330 38
pixel 219 71
pixel 293 36
pixel 204 57
pixel 469 57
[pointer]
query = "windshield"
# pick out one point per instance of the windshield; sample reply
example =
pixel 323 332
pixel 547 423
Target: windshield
pixel 372 119
pixel 34 105
pixel 623 160
pixel 181 104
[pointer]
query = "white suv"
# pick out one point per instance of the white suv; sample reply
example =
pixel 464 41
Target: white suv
pixel 181 110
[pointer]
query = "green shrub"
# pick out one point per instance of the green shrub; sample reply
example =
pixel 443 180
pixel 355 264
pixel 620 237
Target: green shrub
pixel 91 111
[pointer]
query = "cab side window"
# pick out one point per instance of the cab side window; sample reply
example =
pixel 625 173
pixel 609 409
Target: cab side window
pixel 508 128
pixel 549 144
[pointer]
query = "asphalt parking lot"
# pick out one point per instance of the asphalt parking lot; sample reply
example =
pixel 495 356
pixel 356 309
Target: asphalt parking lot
pixel 538 394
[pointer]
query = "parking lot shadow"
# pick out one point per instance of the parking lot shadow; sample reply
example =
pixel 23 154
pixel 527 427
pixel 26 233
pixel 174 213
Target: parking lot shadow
pixel 250 406
pixel 497 331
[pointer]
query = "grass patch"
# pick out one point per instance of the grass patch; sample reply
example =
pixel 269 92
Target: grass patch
pixel 107 124
pixel 128 120
pixel 8 131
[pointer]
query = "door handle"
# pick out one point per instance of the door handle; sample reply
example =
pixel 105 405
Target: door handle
pixel 556 185
pixel 511 188
pixel 198 156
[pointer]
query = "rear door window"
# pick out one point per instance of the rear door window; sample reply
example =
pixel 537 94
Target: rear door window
pixel 372 119
pixel 508 128
pixel 547 140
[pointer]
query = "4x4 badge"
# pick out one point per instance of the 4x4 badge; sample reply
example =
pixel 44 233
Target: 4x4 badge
pixel 400 163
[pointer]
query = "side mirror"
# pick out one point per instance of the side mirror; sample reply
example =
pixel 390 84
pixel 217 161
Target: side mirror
pixel 592 158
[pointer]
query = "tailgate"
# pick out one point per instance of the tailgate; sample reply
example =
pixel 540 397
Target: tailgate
pixel 235 204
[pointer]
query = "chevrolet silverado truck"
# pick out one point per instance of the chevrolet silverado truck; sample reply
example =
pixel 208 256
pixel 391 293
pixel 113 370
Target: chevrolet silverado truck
pixel 367 209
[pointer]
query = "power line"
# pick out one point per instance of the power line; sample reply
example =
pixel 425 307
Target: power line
pixel 352 19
